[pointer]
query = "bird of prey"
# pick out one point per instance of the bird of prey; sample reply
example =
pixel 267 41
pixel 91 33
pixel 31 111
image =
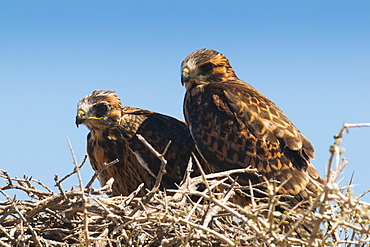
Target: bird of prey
pixel 113 135
pixel 235 126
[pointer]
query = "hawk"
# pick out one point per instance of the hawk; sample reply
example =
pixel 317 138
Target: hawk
pixel 235 126
pixel 113 135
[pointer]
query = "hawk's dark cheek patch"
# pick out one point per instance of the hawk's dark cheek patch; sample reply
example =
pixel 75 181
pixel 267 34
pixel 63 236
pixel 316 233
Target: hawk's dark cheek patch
pixel 206 68
pixel 100 110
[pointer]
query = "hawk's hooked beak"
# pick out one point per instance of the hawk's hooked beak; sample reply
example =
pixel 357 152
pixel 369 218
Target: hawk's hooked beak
pixel 190 80
pixel 187 79
pixel 79 120
pixel 185 76
pixel 80 117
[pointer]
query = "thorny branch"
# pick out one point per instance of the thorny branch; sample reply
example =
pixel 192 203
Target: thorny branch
pixel 336 150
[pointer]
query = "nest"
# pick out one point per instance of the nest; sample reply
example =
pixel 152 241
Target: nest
pixel 186 216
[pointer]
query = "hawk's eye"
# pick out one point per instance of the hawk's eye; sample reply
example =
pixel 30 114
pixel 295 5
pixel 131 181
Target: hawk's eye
pixel 206 68
pixel 101 109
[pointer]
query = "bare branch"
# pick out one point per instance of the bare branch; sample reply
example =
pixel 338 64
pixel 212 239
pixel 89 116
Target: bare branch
pixel 96 174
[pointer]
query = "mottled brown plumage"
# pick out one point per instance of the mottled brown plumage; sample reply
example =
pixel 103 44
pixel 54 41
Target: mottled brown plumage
pixel 235 126
pixel 113 136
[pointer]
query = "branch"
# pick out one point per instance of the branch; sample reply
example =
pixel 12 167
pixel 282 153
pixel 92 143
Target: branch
pixel 335 150
pixel 161 172
pixel 162 169
pixel 96 173
pixel 346 126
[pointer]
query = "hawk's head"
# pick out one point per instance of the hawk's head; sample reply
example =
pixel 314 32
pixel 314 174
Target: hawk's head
pixel 99 110
pixel 204 66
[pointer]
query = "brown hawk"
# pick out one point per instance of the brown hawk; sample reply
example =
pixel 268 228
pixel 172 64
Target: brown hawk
pixel 235 126
pixel 113 135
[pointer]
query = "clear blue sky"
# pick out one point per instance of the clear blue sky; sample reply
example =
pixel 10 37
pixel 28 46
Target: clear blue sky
pixel 312 58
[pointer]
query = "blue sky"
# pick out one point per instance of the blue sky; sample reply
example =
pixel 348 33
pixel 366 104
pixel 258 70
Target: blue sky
pixel 311 58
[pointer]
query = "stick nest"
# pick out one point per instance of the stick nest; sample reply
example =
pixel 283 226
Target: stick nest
pixel 183 217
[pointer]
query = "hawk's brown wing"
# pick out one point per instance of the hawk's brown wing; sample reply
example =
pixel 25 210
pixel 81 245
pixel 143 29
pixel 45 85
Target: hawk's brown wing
pixel 158 130
pixel 235 126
